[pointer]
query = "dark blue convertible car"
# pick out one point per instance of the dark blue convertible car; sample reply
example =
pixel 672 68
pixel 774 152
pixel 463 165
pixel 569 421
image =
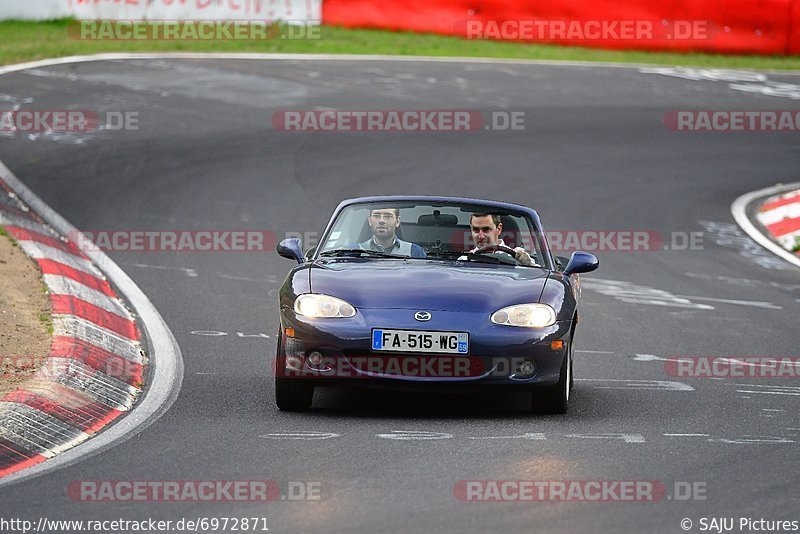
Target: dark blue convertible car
pixel 429 292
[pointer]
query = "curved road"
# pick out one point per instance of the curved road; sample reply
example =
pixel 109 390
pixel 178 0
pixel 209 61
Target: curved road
pixel 594 155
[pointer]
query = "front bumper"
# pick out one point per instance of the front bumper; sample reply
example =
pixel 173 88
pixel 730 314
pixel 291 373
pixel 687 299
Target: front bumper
pixel 497 354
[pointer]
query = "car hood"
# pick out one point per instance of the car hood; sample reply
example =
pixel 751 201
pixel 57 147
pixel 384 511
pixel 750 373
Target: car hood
pixel 426 285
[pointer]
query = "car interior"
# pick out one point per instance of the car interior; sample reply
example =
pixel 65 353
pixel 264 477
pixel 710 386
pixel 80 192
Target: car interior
pixel 442 232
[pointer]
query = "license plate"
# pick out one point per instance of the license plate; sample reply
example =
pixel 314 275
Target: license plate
pixel 420 341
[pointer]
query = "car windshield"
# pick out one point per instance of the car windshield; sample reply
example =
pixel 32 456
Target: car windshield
pixel 447 232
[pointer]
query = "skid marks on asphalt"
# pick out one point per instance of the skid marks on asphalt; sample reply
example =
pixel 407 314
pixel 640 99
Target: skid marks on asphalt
pixel 631 293
pixel 728 235
pixel 268 280
pixel 733 371
pixel 746 282
pixel 748 82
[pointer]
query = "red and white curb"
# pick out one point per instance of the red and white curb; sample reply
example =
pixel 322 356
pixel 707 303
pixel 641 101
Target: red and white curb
pixel 780 215
pixel 96 367
pixel 95 371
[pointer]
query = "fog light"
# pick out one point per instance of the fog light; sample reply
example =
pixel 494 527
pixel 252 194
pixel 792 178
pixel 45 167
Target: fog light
pixel 526 368
pixel 315 359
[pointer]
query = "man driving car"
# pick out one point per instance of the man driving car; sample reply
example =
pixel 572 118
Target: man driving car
pixel 486 229
pixel 384 223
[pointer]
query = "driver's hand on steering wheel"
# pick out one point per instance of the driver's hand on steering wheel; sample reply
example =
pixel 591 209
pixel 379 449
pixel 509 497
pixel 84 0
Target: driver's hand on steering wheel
pixel 523 257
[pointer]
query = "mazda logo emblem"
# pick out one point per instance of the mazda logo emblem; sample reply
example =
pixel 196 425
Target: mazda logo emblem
pixel 422 316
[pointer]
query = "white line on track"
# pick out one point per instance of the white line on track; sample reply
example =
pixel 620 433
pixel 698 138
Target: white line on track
pixel 650 358
pixel 338 57
pixel 191 273
pixel 536 436
pixel 764 392
pixel 617 383
pixel 755 303
pixel 300 435
pixel 767 390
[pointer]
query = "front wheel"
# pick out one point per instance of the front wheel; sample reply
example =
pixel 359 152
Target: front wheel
pixel 554 399
pixel 293 395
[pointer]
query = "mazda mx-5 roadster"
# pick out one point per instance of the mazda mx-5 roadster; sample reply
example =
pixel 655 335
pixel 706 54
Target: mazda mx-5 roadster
pixel 431 293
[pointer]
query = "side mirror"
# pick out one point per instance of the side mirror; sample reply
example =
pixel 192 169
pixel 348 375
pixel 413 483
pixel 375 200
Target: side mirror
pixel 581 262
pixel 291 248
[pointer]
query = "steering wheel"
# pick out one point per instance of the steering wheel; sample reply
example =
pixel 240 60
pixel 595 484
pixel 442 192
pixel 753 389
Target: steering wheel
pixel 496 248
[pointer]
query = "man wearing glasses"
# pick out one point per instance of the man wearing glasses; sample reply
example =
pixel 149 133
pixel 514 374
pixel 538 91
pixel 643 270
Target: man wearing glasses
pixel 384 223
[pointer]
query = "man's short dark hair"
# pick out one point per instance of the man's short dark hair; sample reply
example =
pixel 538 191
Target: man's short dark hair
pixel 495 218
pixel 396 211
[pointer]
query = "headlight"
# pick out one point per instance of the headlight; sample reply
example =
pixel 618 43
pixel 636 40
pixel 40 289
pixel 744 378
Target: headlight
pixel 310 305
pixel 530 315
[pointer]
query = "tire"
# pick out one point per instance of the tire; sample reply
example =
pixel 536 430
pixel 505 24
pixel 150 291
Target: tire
pixel 555 399
pixel 571 366
pixel 291 394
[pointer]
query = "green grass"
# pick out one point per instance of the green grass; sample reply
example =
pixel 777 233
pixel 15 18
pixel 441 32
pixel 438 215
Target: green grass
pixel 46 320
pixel 4 233
pixel 22 41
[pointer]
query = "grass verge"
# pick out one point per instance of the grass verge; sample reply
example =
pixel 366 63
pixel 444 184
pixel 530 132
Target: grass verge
pixel 22 41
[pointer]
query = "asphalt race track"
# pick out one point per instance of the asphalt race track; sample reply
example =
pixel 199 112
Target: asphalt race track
pixel 594 155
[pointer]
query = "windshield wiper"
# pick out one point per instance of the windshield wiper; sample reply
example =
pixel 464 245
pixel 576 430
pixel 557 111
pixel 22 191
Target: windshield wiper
pixel 359 251
pixel 469 256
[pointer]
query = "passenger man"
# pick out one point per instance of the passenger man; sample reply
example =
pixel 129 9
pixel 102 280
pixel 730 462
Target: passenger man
pixel 384 223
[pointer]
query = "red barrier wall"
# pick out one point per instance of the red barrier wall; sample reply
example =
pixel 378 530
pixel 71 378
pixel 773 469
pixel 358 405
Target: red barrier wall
pixel 793 44
pixel 727 26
